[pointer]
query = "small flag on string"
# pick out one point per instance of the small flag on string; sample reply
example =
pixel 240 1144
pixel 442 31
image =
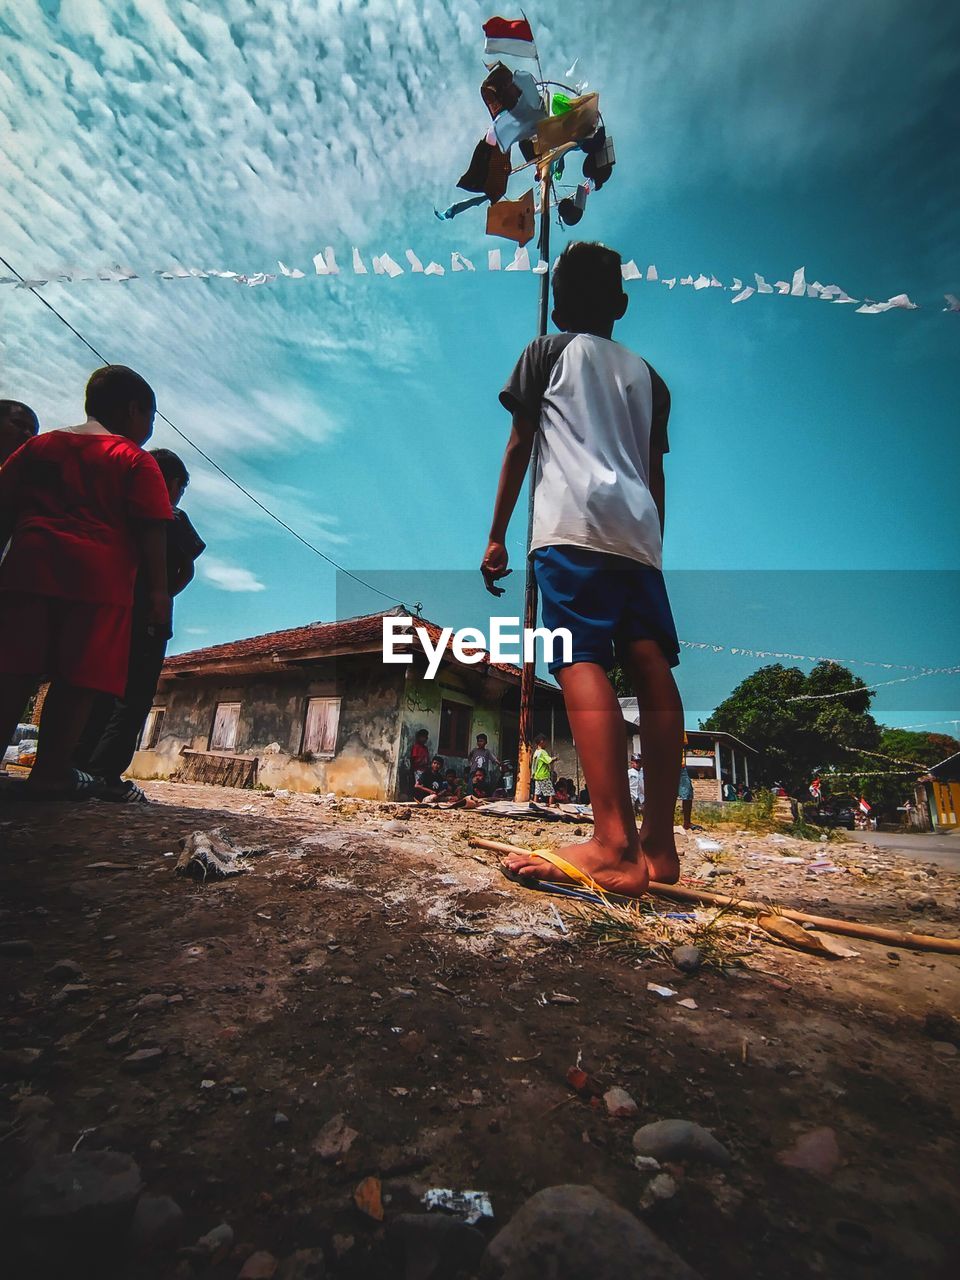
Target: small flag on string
pixel 493 259
pixel 521 260
pixel 630 271
pixel 415 263
pixel 511 36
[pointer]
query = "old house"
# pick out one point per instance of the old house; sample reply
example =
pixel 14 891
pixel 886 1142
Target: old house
pixel 938 797
pixel 711 758
pixel 315 708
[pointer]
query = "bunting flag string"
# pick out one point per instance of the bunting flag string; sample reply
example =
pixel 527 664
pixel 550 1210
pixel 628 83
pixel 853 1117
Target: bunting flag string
pixel 806 657
pixel 325 265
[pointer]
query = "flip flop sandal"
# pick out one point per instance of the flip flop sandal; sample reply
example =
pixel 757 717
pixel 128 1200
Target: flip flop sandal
pixel 585 887
pixel 552 886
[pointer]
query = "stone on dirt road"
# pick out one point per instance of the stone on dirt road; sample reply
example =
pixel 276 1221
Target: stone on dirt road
pixel 816 1152
pixel 80 1199
pixel 619 1103
pixel 335 1139
pixel 157 1224
pixel 572 1232
pixel 16 947
pixel 686 959
pixel 259 1266
pixel 65 971
pixel 434 1247
pixel 305 1264
pixel 679 1140
pixel 142 1060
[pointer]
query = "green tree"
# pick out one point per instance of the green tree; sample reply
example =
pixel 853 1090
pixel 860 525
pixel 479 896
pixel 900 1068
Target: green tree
pixel 782 712
pixel 884 777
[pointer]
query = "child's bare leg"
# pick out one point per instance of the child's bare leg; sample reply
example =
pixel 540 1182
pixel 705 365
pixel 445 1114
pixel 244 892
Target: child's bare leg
pixel 65 712
pixel 612 857
pixel 661 727
pixel 14 692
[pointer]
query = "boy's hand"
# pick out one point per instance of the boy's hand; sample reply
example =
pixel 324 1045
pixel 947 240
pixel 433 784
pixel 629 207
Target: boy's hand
pixel 494 566
pixel 159 612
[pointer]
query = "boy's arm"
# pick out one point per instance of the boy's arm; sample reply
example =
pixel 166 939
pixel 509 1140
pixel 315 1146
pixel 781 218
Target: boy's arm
pixel 151 536
pixel 516 458
pixel 658 485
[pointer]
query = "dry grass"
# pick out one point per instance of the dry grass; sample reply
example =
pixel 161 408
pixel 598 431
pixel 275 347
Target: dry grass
pixel 640 930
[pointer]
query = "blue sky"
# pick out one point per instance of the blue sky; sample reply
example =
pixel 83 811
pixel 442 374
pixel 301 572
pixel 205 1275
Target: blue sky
pixel 750 137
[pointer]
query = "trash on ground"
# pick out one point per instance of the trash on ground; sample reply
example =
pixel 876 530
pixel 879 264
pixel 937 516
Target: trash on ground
pixel 208 855
pixel 794 935
pixel 469 1205
pixel 665 992
pixel 367 1198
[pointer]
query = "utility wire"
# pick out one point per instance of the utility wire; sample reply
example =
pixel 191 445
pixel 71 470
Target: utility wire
pixel 203 454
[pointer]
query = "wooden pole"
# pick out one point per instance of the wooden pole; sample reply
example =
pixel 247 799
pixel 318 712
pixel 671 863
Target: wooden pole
pixel 528 677
pixel 849 928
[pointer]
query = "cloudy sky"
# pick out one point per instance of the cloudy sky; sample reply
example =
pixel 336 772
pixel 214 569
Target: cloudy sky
pixel 157 134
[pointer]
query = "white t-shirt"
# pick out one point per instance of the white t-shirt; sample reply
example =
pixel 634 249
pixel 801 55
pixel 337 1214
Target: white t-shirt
pixel 635 777
pixel 598 407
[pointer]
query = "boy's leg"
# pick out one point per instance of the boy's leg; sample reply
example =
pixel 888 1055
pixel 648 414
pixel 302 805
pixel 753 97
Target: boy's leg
pixel 612 857
pixel 117 744
pixel 65 713
pixel 661 727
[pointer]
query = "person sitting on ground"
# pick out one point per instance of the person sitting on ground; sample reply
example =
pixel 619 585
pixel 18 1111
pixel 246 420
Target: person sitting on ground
pixel 481 757
pixel 84 508
pixel 728 790
pixel 600 415
pixel 18 424
pixel 508 779
pixel 109 741
pixel 543 788
pixel 746 795
pixel 635 778
pixel 433 784
pixel 419 759
pixel 478 790
pixel 564 791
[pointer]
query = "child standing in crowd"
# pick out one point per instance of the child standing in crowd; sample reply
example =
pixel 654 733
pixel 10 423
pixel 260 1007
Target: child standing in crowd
pixel 18 423
pixel 84 508
pixel 481 757
pixel 543 788
pixel 419 760
pixel 110 739
pixel 635 779
pixel 600 413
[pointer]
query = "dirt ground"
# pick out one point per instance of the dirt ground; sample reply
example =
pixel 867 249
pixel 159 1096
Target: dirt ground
pixel 391 975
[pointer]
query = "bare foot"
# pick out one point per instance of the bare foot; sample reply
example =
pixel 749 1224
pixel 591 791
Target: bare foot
pixel 618 870
pixel 661 857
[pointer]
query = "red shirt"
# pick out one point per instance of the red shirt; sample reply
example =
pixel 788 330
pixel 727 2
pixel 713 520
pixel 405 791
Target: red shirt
pixel 75 498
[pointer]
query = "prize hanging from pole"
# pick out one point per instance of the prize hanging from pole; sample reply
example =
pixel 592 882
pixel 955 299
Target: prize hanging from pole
pixel 553 125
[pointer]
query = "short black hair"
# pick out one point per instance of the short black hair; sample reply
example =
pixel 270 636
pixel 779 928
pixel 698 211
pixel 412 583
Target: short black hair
pixel 171 466
pixel 422 733
pixel 439 760
pixel 587 285
pixel 110 391
pixel 17 407
pixel 483 736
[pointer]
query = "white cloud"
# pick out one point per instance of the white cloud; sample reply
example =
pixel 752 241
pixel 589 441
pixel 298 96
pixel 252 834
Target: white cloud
pixel 229 577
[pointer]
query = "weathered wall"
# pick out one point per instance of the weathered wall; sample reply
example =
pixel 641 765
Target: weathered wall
pixel 272 715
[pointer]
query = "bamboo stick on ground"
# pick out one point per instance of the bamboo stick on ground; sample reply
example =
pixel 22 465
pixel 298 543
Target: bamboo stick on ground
pixel 849 928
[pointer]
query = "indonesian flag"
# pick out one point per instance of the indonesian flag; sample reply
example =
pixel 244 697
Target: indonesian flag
pixel 510 36
pixel 863 806
pixel 815 788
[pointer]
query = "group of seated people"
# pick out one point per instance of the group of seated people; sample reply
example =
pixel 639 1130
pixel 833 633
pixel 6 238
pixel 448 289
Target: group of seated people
pixel 485 777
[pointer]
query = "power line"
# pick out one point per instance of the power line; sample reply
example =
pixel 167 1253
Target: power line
pixel 206 457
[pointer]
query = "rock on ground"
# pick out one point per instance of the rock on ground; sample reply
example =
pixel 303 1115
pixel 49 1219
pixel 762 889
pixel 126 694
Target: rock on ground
pixel 157 1224
pixel 679 1140
pixel 573 1232
pixel 816 1152
pixel 305 1264
pixel 433 1247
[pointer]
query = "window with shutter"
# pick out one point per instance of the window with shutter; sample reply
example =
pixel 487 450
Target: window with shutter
pixel 223 736
pixel 152 728
pixel 320 724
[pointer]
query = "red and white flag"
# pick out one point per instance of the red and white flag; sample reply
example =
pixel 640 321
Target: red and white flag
pixel 511 36
pixel 863 806
pixel 815 788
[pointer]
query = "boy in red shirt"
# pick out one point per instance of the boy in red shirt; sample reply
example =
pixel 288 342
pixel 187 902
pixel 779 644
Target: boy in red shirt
pixel 84 508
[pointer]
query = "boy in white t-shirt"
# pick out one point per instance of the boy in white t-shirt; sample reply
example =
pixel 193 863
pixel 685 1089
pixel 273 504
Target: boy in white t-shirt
pixel 601 412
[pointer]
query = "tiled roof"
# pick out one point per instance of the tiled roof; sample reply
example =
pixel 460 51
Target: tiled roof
pixel 363 634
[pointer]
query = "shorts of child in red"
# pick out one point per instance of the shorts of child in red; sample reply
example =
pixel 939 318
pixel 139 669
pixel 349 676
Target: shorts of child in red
pixel 87 645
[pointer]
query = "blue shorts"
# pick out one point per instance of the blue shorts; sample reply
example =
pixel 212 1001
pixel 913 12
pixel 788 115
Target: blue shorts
pixel 603 601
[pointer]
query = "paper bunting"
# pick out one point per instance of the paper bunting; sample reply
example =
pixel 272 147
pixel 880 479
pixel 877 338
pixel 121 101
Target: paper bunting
pixel 521 261
pixel 518 217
